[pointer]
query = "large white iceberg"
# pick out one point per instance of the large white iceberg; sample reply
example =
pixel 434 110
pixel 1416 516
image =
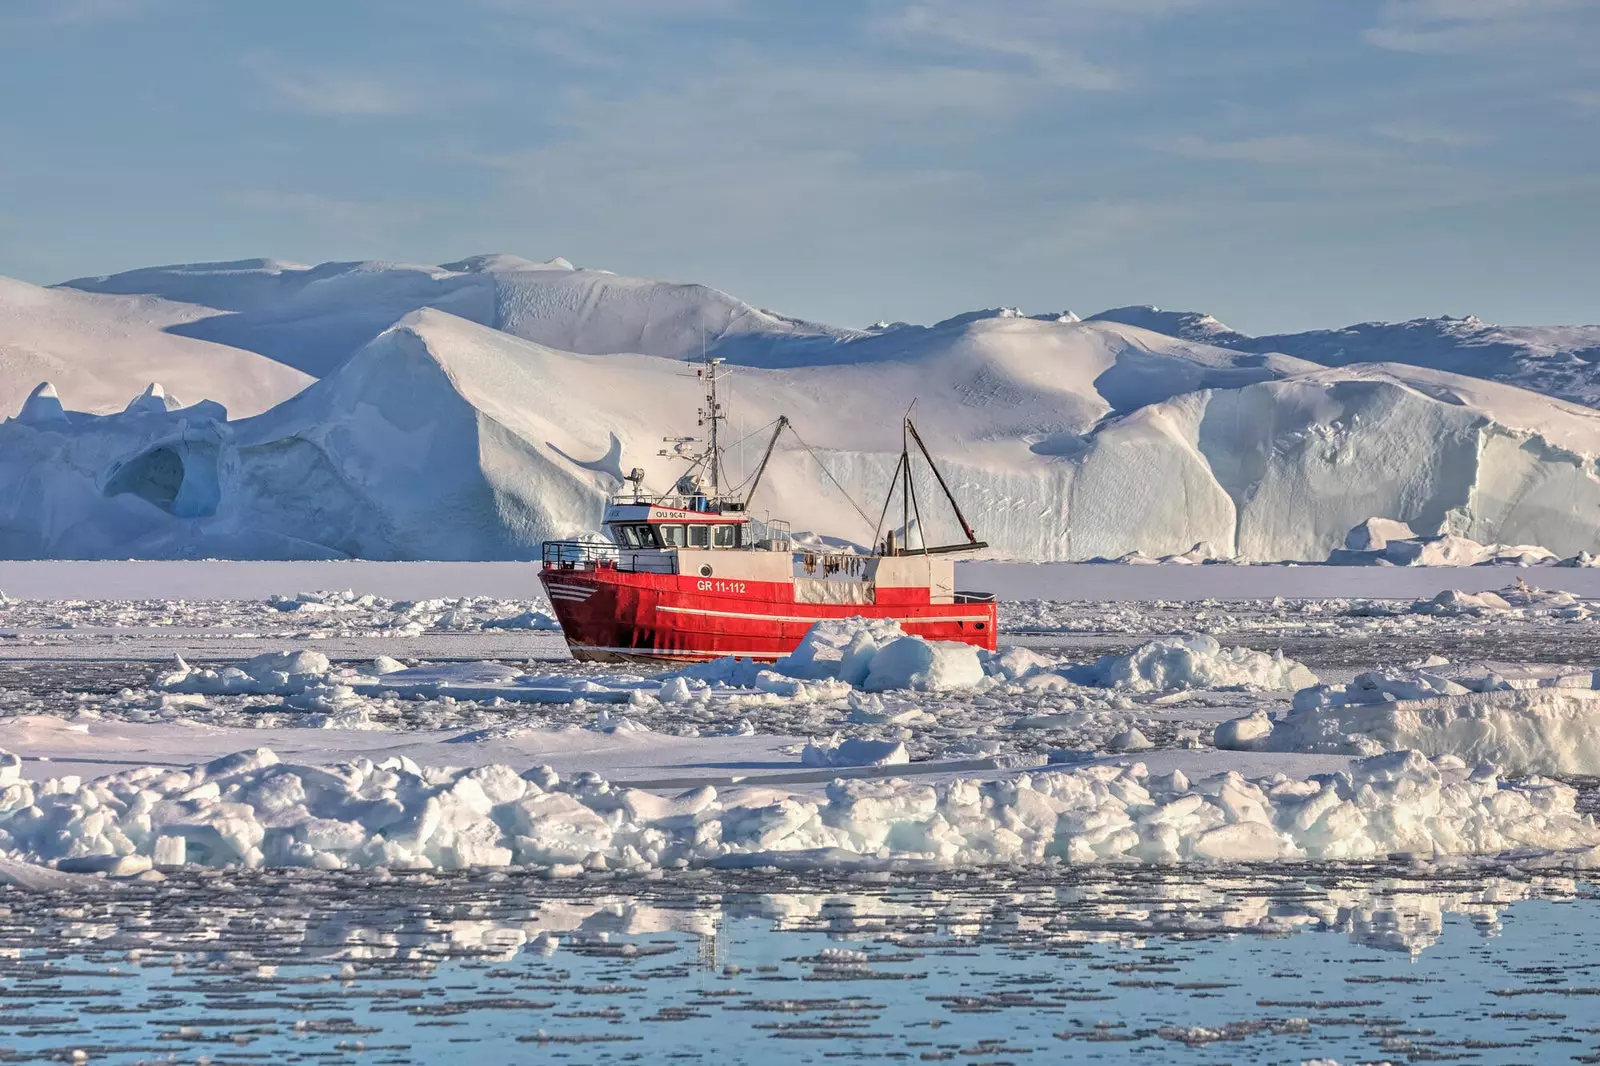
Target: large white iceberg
pixel 506 417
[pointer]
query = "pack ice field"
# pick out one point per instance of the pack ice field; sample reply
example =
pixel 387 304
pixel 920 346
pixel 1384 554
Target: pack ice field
pixel 609 859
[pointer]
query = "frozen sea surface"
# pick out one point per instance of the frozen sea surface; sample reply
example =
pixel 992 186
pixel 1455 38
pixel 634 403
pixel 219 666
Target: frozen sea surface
pixel 1244 965
pixel 1478 961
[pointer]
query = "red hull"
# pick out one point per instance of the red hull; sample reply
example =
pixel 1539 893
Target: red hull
pixel 613 615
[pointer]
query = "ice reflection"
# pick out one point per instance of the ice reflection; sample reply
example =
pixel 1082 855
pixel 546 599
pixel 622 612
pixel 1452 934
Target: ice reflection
pixel 424 918
pixel 1146 965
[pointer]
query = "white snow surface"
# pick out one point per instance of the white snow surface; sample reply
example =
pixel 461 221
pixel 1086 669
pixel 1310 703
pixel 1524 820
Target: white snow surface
pixel 1559 361
pixel 315 318
pixel 100 352
pixel 251 809
pixel 473 409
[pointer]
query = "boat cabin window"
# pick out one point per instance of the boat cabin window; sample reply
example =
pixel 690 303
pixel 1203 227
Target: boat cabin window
pixel 671 536
pixel 726 535
pixel 699 536
pixel 640 536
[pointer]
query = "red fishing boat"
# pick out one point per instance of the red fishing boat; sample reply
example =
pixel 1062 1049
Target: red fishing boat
pixel 689 575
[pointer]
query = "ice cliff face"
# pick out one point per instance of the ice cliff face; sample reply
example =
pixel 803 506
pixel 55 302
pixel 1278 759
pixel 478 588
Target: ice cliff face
pixel 443 439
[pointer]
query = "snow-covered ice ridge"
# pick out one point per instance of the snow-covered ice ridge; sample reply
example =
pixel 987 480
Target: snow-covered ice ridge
pixel 1559 361
pixel 1522 721
pixel 249 809
pixel 473 409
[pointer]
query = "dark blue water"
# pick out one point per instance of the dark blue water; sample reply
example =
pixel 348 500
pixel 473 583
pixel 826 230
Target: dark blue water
pixel 1254 965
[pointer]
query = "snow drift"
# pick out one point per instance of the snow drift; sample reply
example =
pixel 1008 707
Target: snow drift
pixel 250 809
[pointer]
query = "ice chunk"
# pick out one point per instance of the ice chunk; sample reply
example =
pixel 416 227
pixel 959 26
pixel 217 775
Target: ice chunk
pixel 841 649
pixel 1196 662
pixel 1544 730
pixel 873 654
pixel 854 752
pixel 1375 533
pixel 1130 739
pixel 1242 734
pixel 1378 686
pixel 923 665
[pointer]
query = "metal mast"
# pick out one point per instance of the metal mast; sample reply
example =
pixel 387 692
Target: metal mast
pixel 712 413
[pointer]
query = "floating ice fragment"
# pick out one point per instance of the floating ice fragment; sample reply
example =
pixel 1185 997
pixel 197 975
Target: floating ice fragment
pixel 854 752
pixel 1195 662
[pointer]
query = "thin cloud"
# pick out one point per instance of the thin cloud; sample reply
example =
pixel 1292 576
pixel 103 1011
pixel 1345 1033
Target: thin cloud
pixel 979 35
pixel 337 93
pixel 1424 135
pixel 1280 150
pixel 1447 26
pixel 1584 100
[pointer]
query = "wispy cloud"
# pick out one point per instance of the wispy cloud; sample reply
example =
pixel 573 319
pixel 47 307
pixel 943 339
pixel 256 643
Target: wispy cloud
pixel 1584 100
pixel 1427 135
pixel 1028 42
pixel 333 93
pixel 1279 150
pixel 1470 25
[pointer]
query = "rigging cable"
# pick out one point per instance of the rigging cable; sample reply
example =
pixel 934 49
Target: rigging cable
pixel 829 474
pixel 739 488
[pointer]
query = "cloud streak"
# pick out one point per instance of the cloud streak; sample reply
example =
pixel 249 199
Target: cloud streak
pixel 328 93
pixel 1457 26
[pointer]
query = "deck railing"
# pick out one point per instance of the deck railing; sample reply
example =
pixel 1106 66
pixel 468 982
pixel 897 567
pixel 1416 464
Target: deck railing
pixel 590 555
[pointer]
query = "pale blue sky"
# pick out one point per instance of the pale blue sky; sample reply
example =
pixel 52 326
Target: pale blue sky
pixel 1285 164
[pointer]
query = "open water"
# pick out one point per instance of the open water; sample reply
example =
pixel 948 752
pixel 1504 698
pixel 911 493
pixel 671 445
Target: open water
pixel 1466 963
